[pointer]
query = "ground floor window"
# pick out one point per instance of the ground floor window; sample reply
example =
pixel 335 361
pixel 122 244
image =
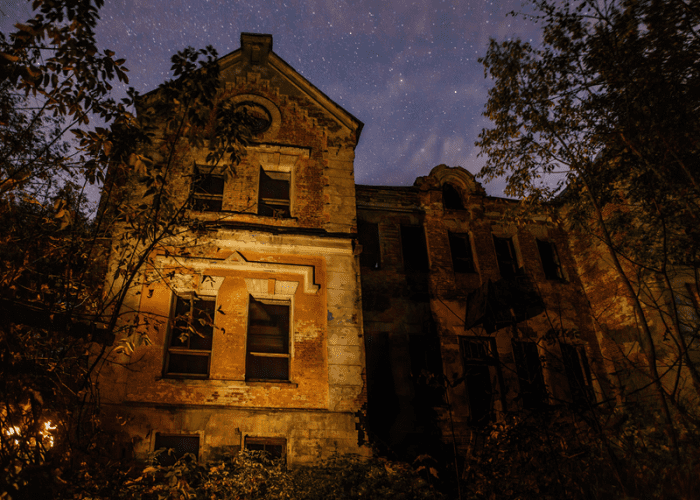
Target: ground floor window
pixel 175 446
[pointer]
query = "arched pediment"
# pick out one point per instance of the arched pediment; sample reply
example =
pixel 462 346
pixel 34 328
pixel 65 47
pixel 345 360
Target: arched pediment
pixel 459 178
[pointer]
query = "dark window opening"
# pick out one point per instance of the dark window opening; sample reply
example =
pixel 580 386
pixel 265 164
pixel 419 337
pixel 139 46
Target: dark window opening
pixel 550 260
pixel 276 448
pixel 578 374
pixel 426 368
pixel 415 251
pixel 451 198
pixel 479 371
pixel 529 368
pixel 192 330
pixel 208 190
pixel 268 340
pixel 179 444
pixel 273 195
pixel 461 249
pixel 368 235
pixel 505 254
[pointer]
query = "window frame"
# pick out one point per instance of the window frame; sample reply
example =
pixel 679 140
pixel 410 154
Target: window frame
pixel 369 250
pixel 187 351
pixel 578 369
pixel 280 213
pixel 492 363
pixel 268 441
pixel 555 266
pixel 171 460
pixel 272 300
pixel 532 397
pixel 466 239
pixel 199 173
pixel 510 241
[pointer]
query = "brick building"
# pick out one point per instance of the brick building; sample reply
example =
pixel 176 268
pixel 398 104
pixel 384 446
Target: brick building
pixel 330 308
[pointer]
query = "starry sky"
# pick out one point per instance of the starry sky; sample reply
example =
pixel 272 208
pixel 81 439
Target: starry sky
pixel 408 70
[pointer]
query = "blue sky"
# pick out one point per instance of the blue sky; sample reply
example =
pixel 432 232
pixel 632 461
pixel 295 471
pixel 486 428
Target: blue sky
pixel 408 70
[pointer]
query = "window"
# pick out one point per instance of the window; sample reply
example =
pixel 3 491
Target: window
pixel 480 365
pixel 451 199
pixel 208 190
pixel 273 195
pixel 275 447
pixel 192 330
pixel 505 254
pixel 527 363
pixel 550 260
pixel 461 249
pixel 578 373
pixel 179 444
pixel 268 340
pixel 368 234
pixel 415 251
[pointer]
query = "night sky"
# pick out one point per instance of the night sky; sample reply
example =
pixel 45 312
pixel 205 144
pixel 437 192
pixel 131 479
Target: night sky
pixel 408 70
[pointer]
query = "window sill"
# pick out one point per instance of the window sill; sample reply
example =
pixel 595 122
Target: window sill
pixel 209 382
pixel 271 383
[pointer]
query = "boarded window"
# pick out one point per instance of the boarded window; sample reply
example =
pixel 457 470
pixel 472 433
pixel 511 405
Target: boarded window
pixel 191 333
pixel 273 195
pixel 268 340
pixel 480 365
pixel 461 249
pixel 505 254
pixel 550 260
pixel 368 234
pixel 276 448
pixel 415 251
pixel 174 447
pixel 451 198
pixel 578 374
pixel 527 363
pixel 208 190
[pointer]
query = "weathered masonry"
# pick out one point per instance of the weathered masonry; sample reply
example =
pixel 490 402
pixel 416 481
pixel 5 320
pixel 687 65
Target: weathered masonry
pixel 255 322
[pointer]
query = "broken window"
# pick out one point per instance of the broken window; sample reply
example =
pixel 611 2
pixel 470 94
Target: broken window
pixel 505 254
pixel 276 448
pixel 529 368
pixel 273 195
pixel 550 260
pixel 368 234
pixel 480 365
pixel 461 249
pixel 268 340
pixel 192 330
pixel 415 251
pixel 451 198
pixel 578 374
pixel 208 190
pixel 178 443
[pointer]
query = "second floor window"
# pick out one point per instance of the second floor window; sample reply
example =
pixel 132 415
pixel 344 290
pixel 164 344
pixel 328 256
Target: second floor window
pixel 461 249
pixel 208 190
pixel 267 353
pixel 505 254
pixel 480 360
pixel 368 234
pixel 414 249
pixel 191 333
pixel 273 193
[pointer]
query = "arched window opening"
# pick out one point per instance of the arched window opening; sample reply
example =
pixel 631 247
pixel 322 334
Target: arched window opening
pixel 451 199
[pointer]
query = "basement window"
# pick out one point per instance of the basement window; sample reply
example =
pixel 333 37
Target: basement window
pixel 507 259
pixel 550 260
pixel 208 190
pixel 451 198
pixel 276 448
pixel 480 372
pixel 415 251
pixel 267 352
pixel 529 368
pixel 461 249
pixel 192 330
pixel 578 373
pixel 368 235
pixel 174 447
pixel 273 195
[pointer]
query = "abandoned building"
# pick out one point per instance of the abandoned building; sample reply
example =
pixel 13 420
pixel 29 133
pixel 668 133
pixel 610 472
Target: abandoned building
pixel 332 312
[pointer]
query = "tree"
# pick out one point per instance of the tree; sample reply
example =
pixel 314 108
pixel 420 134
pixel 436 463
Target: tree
pixel 609 103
